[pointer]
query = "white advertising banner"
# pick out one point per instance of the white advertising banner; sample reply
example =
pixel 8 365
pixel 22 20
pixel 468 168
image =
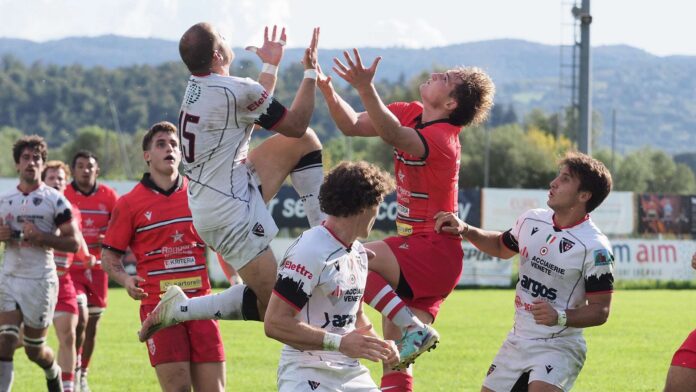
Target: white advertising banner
pixel 653 259
pixel 501 207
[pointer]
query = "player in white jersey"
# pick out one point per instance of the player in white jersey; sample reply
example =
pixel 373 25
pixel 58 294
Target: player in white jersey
pixel 30 216
pixel 565 279
pixel 316 306
pixel 230 185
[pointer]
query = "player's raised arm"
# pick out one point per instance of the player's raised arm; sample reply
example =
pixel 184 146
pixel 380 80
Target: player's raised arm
pixel 385 124
pixel 297 117
pixel 348 121
pixel 270 53
pixel 493 243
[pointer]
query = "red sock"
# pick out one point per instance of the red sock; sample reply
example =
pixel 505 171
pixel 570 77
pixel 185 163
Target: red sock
pixel 381 296
pixel 397 382
pixel 67 378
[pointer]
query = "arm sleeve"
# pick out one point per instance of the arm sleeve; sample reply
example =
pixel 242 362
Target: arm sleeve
pixel 298 275
pixel 63 211
pixel 120 231
pixel 511 237
pixel 255 105
pixel 599 270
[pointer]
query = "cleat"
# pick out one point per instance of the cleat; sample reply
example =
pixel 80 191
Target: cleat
pixel 163 314
pixel 84 386
pixel 55 384
pixel 414 342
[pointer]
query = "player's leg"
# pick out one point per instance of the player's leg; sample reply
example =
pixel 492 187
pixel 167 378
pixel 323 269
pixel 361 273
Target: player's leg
pixel 9 337
pixel 540 386
pixel 38 352
pixel 82 317
pixel 399 380
pixel 208 376
pixel 65 323
pixel 680 379
pixel 98 290
pixel 207 356
pixel 174 376
pixel 280 156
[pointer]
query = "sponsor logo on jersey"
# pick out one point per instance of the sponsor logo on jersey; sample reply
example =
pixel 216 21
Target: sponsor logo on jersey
pixel 549 368
pixel 534 230
pixel 550 239
pixel 258 230
pixel 491 369
pixel 537 289
pixel 402 210
pixel 195 282
pixel 313 385
pixel 148 215
pixel 547 267
pixel 544 250
pixel 257 104
pixel 181 249
pixel 299 268
pixel 404 246
pixel 603 257
pixel 353 295
pixel 403 228
pixel 565 245
pixel 37 201
pixel 179 262
pixel 177 237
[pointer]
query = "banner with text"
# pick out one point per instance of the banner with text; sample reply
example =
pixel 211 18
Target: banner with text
pixel 653 259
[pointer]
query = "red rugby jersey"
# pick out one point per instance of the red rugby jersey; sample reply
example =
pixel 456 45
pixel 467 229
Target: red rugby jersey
pixel 95 207
pixel 427 184
pixel 64 260
pixel 158 227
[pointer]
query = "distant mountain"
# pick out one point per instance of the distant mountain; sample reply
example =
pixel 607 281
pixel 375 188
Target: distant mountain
pixel 654 97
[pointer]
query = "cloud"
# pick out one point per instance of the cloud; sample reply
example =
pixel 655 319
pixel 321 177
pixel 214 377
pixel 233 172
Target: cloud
pixel 414 33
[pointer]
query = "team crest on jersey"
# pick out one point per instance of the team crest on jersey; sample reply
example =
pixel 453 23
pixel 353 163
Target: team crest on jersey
pixel 550 239
pixel 148 215
pixel 151 346
pixel 37 201
pixel 491 369
pixel 565 245
pixel 603 257
pixel 404 246
pixel 193 92
pixel 313 385
pixel 534 230
pixel 60 202
pixel 258 230
pixel 177 237
pixel 544 250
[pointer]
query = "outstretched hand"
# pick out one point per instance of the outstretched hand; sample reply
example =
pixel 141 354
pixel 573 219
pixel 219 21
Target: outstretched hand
pixel 310 55
pixel 354 72
pixel 272 50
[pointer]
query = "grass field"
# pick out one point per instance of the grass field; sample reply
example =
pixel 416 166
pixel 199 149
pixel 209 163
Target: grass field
pixel 630 353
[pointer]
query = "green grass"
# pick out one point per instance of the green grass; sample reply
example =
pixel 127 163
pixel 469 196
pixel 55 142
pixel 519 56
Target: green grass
pixel 630 353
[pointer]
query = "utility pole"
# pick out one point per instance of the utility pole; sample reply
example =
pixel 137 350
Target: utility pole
pixel 585 113
pixel 613 140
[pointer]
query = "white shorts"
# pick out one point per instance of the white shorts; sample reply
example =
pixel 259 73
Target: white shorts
pixel 239 241
pixel 555 361
pixel 35 298
pixel 314 375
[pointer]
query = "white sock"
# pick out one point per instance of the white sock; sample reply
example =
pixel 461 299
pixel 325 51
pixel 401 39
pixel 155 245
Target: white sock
pixel 306 178
pixel 226 305
pixel 6 375
pixel 53 371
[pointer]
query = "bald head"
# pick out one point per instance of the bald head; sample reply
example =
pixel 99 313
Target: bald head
pixel 197 46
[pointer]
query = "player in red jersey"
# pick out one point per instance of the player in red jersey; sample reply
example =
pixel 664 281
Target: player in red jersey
pixel 422 266
pixel 682 373
pixel 155 221
pixel 55 175
pixel 95 202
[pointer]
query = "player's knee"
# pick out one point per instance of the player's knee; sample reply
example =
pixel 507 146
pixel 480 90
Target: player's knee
pixel 9 337
pixel 34 347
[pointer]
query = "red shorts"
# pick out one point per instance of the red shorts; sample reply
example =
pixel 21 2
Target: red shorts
pixel 686 354
pixel 92 282
pixel 67 297
pixel 431 263
pixel 195 341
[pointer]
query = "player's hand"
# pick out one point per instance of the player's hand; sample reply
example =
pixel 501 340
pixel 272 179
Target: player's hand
pixel 100 238
pixel 393 358
pixel 32 234
pixel 309 60
pixel 131 285
pixel 354 72
pixel 5 231
pixel 272 50
pixel 449 222
pixel 324 82
pixel 91 261
pixel 544 313
pixel 359 343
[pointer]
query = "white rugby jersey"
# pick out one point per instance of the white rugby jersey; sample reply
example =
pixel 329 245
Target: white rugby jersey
pixel 557 265
pixel 324 280
pixel 215 123
pixel 46 208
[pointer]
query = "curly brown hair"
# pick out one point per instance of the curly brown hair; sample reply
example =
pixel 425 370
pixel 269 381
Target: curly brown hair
pixel 352 187
pixel 594 177
pixel 162 126
pixel 474 96
pixel 55 165
pixel 33 142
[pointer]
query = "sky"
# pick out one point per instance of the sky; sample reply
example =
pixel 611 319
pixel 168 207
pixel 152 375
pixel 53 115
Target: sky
pixel 661 28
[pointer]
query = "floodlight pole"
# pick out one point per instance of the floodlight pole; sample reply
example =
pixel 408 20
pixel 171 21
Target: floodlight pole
pixel 585 113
